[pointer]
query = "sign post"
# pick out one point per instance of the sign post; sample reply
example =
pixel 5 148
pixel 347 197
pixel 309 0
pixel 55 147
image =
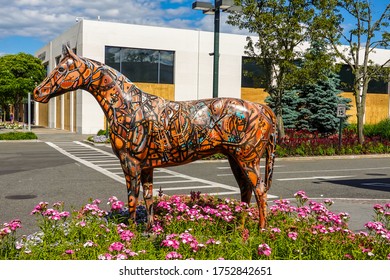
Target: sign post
pixel 341 114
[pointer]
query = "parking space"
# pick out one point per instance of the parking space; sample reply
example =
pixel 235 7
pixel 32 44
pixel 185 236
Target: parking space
pixel 168 180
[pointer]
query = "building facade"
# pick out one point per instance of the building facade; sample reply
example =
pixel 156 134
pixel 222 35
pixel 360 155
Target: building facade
pixel 176 64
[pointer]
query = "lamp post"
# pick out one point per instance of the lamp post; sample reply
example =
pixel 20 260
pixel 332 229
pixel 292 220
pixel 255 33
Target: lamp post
pixel 209 9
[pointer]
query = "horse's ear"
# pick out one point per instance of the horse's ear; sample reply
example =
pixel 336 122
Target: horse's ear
pixel 67 51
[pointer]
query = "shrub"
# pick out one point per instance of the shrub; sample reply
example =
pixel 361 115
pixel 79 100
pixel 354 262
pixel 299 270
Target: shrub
pixel 18 136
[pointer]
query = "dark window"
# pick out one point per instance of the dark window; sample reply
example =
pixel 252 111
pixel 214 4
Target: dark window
pixel 347 78
pixel 142 65
pixel 375 86
pixel 252 74
pixel 57 59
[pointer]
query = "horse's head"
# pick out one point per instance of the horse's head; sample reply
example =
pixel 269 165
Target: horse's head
pixel 70 74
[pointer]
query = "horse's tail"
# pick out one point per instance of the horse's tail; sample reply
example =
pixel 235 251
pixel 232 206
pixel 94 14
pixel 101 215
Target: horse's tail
pixel 270 150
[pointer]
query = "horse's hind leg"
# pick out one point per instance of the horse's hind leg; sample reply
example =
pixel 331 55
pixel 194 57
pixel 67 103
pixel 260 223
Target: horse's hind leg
pixel 270 160
pixel 147 187
pixel 242 180
pixel 251 172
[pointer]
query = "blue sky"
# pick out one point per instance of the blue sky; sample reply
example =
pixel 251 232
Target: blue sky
pixel 28 25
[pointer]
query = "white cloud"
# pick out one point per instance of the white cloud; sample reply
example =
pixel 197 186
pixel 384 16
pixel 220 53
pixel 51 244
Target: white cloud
pixel 45 19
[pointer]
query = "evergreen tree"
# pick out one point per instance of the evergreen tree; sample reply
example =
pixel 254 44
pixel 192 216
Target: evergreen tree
pixel 318 104
pixel 318 96
pixel 290 102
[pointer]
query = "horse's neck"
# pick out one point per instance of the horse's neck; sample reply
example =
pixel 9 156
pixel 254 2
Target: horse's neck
pixel 113 91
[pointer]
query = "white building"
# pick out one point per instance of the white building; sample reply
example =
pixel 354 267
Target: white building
pixel 173 63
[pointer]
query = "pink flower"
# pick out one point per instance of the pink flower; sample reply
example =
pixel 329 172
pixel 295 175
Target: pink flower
pixel 89 243
pixel 348 256
pixel 14 225
pixel 378 208
pixel 58 204
pixel 39 208
pixel 328 202
pixel 292 235
pixel 301 196
pixel 69 252
pixel 131 253
pixel 96 201
pixel 116 246
pixel 105 256
pixel 264 249
pixel 157 229
pixel 173 256
pixel 245 234
pixel 126 235
pixel 121 257
pixel 64 214
pixel 170 243
pixel 212 241
pixel 82 223
pixel 275 230
pixel 115 203
pixel 388 256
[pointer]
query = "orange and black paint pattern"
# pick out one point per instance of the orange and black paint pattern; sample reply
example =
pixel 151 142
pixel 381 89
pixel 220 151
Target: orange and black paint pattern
pixel 147 131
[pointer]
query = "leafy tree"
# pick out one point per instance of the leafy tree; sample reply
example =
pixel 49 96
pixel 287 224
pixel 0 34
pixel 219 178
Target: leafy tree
pixel 370 31
pixel 282 27
pixel 18 75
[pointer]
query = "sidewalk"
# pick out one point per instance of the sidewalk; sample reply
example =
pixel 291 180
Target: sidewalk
pixel 53 134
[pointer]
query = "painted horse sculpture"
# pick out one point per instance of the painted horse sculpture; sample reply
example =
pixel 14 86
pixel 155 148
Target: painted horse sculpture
pixel 147 131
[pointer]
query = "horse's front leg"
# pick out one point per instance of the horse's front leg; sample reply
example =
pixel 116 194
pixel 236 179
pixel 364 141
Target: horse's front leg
pixel 132 171
pixel 147 187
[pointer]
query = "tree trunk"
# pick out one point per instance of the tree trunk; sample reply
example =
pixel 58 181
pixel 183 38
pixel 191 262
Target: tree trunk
pixel 279 124
pixel 360 125
pixel 360 98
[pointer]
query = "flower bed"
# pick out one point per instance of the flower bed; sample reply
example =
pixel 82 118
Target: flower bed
pixel 304 143
pixel 8 125
pixel 198 227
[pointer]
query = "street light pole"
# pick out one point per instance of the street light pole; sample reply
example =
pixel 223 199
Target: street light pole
pixel 208 8
pixel 217 16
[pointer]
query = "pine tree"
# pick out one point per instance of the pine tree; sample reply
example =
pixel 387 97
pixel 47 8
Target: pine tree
pixel 319 95
pixel 290 102
pixel 318 104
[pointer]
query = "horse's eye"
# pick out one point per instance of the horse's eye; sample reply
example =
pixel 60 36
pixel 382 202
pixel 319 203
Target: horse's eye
pixel 61 69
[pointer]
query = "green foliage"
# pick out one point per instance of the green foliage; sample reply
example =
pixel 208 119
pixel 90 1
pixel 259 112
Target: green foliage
pixel 381 129
pixel 290 102
pixel 281 27
pixel 18 75
pixel 18 136
pixel 102 132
